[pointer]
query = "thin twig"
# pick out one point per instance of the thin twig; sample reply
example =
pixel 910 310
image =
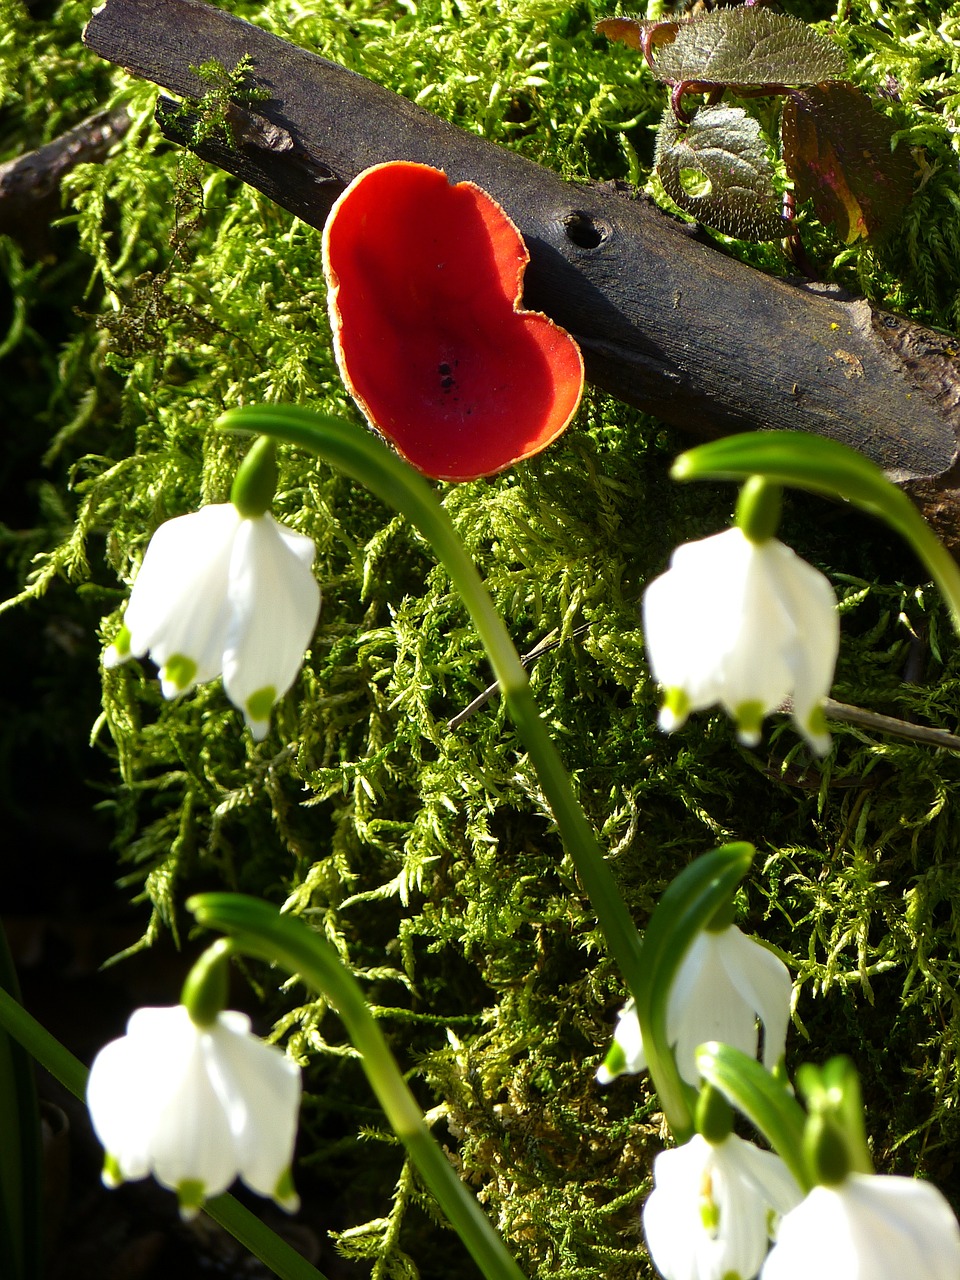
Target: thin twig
pixel 841 712
pixel 549 641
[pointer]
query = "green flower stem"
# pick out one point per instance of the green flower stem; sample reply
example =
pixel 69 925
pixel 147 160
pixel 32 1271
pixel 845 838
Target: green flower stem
pixel 255 483
pixel 259 929
pixel 21 1252
pixel 365 458
pixel 40 1044
pixel 204 993
pixel 687 906
pixel 758 509
pixel 767 1103
pixel 830 468
pixel 256 1237
pixel 243 1225
pixel 832 1094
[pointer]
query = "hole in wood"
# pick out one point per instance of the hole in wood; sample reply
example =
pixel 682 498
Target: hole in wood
pixel 583 231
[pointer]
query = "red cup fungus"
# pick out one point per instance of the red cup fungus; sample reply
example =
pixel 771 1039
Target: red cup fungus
pixel 425 281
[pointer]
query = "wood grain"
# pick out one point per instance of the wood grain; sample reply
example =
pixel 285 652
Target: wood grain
pixel 666 322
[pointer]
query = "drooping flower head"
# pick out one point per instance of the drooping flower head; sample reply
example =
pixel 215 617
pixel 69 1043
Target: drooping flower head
pixel 714 1207
pixel 727 983
pixel 196 1106
pixel 745 624
pixel 228 592
pixel 868 1227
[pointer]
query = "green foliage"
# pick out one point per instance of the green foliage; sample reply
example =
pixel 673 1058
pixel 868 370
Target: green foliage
pixel 426 854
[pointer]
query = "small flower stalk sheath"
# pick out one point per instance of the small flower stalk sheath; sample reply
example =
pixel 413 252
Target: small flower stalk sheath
pixel 196 1106
pixel 220 593
pixel 868 1227
pixel 726 984
pixel 744 624
pixel 714 1208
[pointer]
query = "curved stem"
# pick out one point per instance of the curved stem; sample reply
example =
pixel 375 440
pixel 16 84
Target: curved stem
pixel 243 1225
pixel 364 457
pixel 21 1253
pixel 258 929
pixel 687 906
pixel 766 1103
pixel 830 468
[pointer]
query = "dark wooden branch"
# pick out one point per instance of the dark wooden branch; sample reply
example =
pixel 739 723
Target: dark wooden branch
pixel 30 184
pixel 666 323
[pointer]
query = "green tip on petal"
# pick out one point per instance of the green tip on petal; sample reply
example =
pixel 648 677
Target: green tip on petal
pixel 110 1175
pixel 675 709
pixel 613 1065
pixel 285 1194
pixel 818 730
pixel 178 674
pixel 710 1213
pixel 257 709
pixel 190 1197
pixel 119 651
pixel 749 722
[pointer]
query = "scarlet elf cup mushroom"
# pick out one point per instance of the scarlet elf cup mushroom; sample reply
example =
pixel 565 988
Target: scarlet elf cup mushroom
pixel 425 280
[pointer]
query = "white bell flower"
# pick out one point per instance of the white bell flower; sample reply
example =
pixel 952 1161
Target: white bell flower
pixel 714 1208
pixel 868 1227
pixel 747 625
pixel 725 984
pixel 223 594
pixel 196 1106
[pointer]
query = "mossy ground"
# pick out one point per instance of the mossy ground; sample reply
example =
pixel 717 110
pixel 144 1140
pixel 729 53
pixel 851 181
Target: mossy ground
pixel 171 292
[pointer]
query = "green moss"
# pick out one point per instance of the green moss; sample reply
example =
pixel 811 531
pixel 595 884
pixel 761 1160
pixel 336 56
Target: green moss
pixel 427 853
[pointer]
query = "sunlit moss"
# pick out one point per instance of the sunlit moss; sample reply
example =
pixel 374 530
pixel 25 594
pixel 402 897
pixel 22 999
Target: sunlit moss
pixel 426 853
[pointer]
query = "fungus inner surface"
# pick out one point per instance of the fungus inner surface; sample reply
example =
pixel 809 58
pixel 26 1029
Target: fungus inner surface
pixel 425 280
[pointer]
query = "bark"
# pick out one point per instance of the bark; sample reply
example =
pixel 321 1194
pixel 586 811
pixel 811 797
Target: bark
pixel 666 322
pixel 30 184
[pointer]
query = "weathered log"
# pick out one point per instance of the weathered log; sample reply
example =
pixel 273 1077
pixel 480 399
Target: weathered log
pixel 666 323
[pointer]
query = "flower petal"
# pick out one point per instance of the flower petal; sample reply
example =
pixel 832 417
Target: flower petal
pixel 625 1055
pixel 196 1105
pixel 705 1005
pixel 259 1089
pixel 763 982
pixel 745 625
pixel 275 602
pixel 869 1227
pixel 706 1218
pixel 810 598
pixel 178 605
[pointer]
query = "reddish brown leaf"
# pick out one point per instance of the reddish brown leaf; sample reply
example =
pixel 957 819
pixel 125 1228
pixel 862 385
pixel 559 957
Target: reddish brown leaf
pixel 637 33
pixel 836 148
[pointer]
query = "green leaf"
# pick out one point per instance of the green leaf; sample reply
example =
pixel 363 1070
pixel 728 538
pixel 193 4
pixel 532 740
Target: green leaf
pixel 749 46
pixel 766 1102
pixel 718 169
pixel 836 148
pixel 688 904
pixel 20 1227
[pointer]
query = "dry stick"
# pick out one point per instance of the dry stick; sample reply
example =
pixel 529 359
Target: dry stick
pixel 667 323
pixel 841 712
pixel 30 183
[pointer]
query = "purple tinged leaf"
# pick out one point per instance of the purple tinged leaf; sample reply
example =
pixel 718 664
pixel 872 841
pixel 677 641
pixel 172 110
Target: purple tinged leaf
pixel 836 148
